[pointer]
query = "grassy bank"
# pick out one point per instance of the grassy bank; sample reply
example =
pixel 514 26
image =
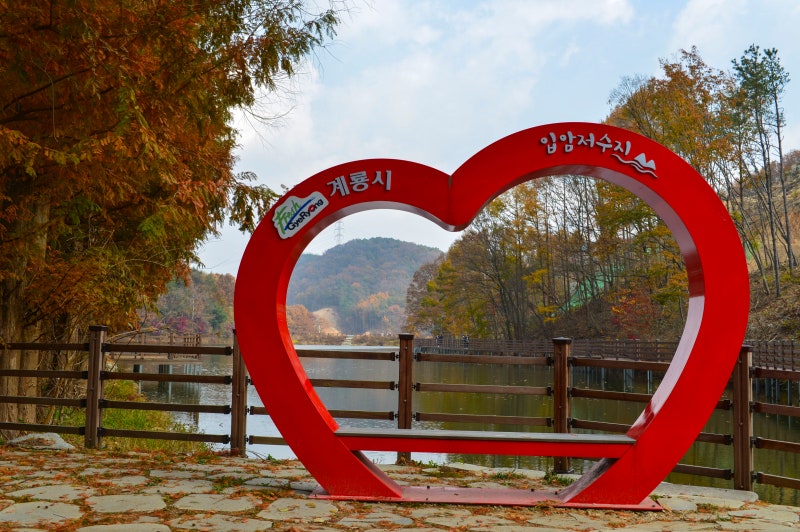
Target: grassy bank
pixel 115 418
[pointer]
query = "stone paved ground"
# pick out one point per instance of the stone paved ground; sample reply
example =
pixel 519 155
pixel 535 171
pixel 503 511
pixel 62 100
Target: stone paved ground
pixel 94 491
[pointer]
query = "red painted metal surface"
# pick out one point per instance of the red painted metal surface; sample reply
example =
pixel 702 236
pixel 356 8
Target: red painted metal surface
pixel 475 442
pixel 706 354
pixel 491 496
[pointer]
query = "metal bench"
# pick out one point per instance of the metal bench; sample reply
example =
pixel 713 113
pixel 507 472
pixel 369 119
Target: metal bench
pixel 485 442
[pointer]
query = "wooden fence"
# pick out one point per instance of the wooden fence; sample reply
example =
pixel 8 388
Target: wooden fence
pixel 96 375
pixel 758 363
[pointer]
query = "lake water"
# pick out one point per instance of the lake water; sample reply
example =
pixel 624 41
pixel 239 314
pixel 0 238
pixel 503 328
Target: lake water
pixel 705 454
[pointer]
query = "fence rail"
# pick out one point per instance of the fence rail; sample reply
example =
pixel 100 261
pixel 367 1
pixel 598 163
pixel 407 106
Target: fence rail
pixel 758 362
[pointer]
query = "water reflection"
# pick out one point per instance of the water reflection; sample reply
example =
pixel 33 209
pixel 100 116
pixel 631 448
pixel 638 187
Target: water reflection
pixel 705 454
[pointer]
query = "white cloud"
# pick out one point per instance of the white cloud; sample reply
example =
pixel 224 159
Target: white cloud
pixel 707 23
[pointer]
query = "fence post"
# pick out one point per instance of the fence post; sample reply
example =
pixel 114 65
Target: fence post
pixel 94 386
pixel 404 388
pixel 743 421
pixel 238 401
pixel 562 348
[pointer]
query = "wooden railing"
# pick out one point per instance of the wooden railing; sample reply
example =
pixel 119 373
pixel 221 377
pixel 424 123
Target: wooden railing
pixel 562 355
pixel 95 403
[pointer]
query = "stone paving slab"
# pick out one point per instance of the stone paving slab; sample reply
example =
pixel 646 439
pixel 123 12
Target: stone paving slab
pixel 299 510
pixel 383 520
pixel 219 523
pixel 40 513
pixel 57 492
pixel 126 503
pixel 125 481
pixel 217 502
pixel 131 527
pixel 94 491
pixel 191 485
pixel 174 473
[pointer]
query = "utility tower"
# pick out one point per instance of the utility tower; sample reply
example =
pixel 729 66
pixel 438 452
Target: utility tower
pixel 338 233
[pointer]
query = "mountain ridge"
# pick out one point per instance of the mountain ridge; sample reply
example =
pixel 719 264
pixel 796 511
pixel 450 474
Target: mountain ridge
pixel 364 282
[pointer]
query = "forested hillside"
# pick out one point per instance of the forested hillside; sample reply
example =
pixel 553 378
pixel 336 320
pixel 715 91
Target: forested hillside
pixel 363 282
pixel 354 288
pixel 202 304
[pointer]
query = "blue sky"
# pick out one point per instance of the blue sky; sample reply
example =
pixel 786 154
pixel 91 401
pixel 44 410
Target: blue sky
pixel 434 81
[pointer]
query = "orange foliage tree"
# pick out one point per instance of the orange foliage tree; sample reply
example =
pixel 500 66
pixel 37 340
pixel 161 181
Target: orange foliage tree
pixel 116 150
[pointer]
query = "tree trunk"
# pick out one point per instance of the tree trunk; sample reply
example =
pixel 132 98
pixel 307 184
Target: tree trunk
pixel 9 331
pixel 13 327
pixel 29 360
pixel 784 193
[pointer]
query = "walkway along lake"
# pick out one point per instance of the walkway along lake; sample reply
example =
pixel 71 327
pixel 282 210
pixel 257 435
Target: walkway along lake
pixel 704 454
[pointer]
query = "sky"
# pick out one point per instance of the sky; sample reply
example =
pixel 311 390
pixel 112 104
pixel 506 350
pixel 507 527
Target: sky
pixel 434 81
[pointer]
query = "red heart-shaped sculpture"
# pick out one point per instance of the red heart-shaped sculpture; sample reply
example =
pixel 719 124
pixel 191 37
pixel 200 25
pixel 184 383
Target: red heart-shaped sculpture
pixel 712 337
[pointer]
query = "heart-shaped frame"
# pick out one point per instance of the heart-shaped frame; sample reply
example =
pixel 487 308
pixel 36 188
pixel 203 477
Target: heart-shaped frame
pixel 705 356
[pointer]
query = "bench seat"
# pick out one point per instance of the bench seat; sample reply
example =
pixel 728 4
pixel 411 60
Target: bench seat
pixel 486 442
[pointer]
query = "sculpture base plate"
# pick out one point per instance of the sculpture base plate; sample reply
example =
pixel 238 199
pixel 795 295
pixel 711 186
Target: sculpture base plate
pixel 486 496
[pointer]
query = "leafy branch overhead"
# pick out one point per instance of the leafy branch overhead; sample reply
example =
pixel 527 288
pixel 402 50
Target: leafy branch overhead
pixel 249 203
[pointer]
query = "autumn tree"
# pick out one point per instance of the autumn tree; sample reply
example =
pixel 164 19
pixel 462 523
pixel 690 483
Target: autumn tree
pixel 556 256
pixel 688 110
pixel 452 304
pixel 201 304
pixel 302 323
pixel 418 319
pixel 116 150
pixel 643 275
pixel 729 127
pixel 762 82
